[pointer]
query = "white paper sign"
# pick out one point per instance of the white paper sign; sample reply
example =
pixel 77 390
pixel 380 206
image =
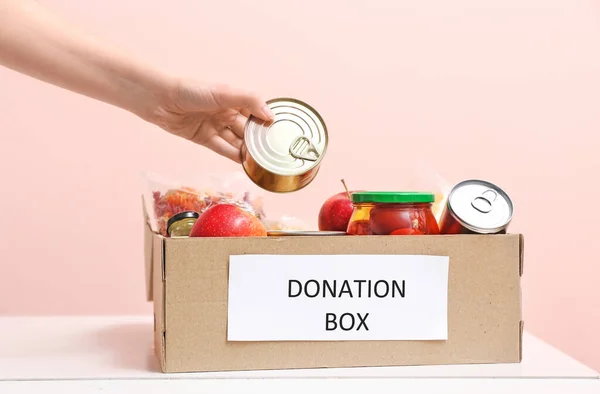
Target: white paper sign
pixel 337 297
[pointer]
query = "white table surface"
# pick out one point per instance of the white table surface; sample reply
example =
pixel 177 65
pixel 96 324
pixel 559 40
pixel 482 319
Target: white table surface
pixel 115 355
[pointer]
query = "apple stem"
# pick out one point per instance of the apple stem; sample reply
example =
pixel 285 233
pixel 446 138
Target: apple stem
pixel 346 187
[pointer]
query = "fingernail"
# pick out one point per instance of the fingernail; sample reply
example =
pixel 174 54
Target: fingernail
pixel 268 112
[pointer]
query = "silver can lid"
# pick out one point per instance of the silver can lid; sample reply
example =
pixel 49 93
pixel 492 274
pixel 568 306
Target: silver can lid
pixel 293 143
pixel 480 206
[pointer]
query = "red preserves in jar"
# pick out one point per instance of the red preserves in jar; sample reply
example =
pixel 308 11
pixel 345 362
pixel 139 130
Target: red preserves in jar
pixel 401 213
pixel 359 221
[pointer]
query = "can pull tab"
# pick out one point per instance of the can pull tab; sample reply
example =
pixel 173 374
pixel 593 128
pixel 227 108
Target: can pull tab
pixel 303 148
pixel 484 204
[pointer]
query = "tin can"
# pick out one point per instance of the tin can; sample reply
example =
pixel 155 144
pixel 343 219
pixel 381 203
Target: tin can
pixel 284 155
pixel 181 224
pixel 476 207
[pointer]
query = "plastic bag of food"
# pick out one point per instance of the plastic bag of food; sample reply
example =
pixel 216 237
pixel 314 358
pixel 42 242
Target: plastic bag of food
pixel 164 198
pixel 428 180
pixel 286 223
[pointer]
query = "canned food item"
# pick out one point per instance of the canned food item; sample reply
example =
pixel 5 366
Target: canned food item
pixel 284 155
pixel 181 224
pixel 476 207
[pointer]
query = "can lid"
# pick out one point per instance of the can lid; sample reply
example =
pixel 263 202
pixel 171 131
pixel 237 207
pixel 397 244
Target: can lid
pixel 293 143
pixel 182 215
pixel 393 197
pixel 480 206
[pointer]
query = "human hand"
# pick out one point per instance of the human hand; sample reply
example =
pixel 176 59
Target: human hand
pixel 57 52
pixel 212 116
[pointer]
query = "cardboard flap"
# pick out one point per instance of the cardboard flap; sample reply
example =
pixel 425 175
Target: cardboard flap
pixel 159 296
pixel 145 211
pixel 148 252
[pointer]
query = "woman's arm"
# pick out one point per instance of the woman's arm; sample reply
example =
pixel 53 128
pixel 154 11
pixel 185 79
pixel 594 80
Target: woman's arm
pixel 36 42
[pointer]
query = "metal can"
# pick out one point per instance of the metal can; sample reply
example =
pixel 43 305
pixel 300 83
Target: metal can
pixel 181 224
pixel 476 207
pixel 284 155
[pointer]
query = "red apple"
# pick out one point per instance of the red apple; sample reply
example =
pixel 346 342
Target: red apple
pixel 227 220
pixel 335 213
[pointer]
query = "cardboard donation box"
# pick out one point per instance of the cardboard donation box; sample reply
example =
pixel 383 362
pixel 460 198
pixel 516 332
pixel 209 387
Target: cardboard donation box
pixel 223 304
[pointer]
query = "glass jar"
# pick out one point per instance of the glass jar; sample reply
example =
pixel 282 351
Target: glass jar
pixel 401 213
pixel 359 221
pixel 181 224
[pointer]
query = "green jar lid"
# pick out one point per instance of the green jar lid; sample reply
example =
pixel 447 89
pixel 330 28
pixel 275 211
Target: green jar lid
pixel 393 197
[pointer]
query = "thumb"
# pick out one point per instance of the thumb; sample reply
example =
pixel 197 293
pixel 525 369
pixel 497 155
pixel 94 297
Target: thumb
pixel 227 97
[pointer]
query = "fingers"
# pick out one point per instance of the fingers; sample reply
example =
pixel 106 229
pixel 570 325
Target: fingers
pixel 245 112
pixel 223 148
pixel 239 124
pixel 232 138
pixel 227 97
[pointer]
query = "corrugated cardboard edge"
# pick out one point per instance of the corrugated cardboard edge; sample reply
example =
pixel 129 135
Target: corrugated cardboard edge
pixel 159 294
pixel 521 264
pixel 155 284
pixel 521 326
pixel 148 251
pixel 521 253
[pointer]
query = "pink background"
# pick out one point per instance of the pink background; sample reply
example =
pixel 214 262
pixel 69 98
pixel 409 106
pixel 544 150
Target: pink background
pixel 398 82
